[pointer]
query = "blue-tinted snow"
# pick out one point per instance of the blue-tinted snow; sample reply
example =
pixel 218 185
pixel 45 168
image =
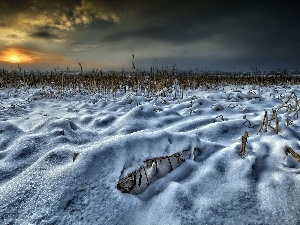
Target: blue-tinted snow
pixel 40 183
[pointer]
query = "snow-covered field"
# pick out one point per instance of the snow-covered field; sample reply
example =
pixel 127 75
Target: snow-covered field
pixel 61 159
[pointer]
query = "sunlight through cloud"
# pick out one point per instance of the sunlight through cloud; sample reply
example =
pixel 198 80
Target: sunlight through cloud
pixel 15 55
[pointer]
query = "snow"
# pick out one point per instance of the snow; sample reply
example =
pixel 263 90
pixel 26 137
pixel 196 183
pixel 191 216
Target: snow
pixel 41 182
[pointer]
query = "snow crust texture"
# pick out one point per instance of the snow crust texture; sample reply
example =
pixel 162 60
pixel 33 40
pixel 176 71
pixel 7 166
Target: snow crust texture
pixel 61 159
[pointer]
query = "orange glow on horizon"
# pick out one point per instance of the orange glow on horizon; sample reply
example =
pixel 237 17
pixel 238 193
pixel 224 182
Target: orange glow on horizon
pixel 16 55
pixel 22 56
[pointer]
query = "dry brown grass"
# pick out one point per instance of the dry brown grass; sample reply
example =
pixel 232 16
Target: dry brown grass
pixel 110 82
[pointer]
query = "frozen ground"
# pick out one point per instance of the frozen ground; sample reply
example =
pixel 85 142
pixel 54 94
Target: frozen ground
pixel 40 183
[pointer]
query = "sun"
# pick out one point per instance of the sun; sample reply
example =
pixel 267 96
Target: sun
pixel 15 55
pixel 14 59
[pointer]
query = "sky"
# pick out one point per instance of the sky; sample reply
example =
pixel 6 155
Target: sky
pixel 203 34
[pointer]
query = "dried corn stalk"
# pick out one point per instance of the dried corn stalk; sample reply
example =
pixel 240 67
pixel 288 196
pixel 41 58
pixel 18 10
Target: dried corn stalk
pixel 244 143
pixel 288 122
pixel 221 117
pixel 267 122
pixel 274 116
pixel 264 124
pixel 293 153
pixel 247 121
pixel 155 168
pixel 292 104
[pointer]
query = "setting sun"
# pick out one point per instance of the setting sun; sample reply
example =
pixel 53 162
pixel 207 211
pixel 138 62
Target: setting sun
pixel 23 56
pixel 14 59
pixel 15 55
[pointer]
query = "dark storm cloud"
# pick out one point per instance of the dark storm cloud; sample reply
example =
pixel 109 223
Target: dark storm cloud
pixel 172 20
pixel 3 24
pixel 28 16
pixel 258 30
pixel 43 34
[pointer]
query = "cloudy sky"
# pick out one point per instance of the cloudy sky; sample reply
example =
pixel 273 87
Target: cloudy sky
pixel 203 34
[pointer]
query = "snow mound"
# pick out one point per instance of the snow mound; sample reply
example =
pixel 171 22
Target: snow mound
pixel 166 159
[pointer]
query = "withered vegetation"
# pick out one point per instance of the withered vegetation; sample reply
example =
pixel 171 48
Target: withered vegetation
pixel 151 82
